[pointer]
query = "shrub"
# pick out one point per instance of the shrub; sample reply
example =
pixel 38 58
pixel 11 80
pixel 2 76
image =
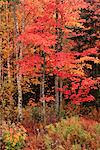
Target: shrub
pixel 13 136
pixel 72 134
pixel 36 114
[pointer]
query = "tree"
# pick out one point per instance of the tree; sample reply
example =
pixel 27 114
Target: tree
pixel 46 31
pixel 86 42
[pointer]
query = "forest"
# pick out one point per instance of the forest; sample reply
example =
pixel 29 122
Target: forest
pixel 49 75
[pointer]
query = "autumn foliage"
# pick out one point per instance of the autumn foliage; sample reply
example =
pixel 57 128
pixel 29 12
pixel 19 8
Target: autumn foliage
pixel 49 71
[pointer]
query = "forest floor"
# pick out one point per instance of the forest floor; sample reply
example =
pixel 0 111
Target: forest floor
pixel 76 130
pixel 37 132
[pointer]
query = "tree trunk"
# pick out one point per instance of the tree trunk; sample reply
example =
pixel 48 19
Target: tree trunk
pixel 1 91
pixel 43 89
pixel 57 94
pixel 8 66
pixel 58 48
pixel 57 78
pixel 1 81
pixel 9 80
pixel 0 63
pixel 18 52
pixel 61 98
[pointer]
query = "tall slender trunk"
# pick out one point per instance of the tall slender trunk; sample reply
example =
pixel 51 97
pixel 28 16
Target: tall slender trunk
pixel 9 79
pixel 8 58
pixel 43 89
pixel 18 52
pixel 58 48
pixel 1 116
pixel 57 94
pixel 61 97
pixel 8 66
pixel 61 49
pixel 0 63
pixel 1 90
pixel 57 78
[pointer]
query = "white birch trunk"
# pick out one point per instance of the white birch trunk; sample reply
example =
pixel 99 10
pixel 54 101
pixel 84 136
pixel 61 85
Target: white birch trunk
pixel 17 66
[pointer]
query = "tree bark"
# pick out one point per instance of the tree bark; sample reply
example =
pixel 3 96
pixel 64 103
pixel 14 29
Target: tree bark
pixel 18 76
pixel 61 97
pixel 43 89
pixel 8 66
pixel 0 63
pixel 57 78
pixel 57 94
pixel 1 89
pixel 58 48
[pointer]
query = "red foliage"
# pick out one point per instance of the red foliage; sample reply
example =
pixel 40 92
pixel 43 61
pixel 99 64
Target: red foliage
pixel 42 33
pixel 31 64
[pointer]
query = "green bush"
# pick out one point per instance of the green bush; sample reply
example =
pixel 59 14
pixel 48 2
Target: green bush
pixel 72 134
